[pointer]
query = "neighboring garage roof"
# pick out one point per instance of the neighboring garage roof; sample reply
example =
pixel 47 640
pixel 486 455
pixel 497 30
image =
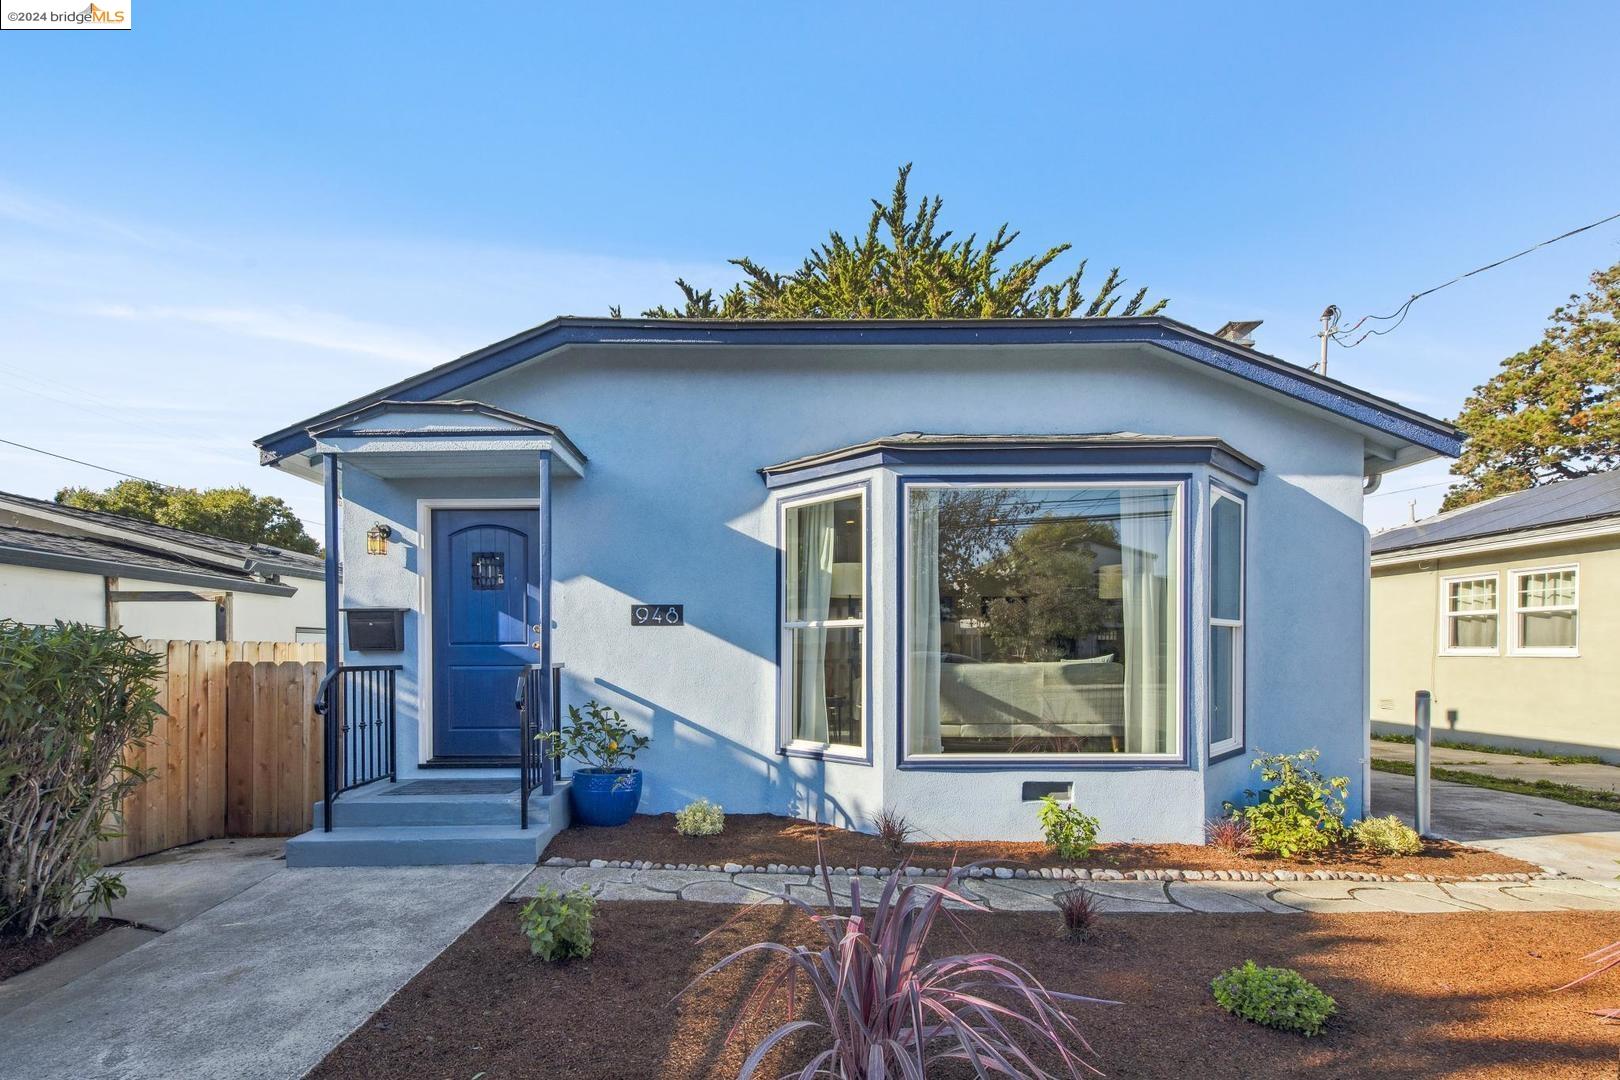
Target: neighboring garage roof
pixel 1380 414
pixel 221 554
pixel 1567 502
pixel 93 555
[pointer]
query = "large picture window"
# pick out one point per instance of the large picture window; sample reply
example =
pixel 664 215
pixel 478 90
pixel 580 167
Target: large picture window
pixel 824 621
pixel 1042 619
pixel 1226 618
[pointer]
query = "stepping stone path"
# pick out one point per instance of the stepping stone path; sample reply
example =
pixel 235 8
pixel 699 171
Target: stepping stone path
pixel 733 883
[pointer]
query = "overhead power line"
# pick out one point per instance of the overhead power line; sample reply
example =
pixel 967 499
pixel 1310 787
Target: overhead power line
pixel 1398 316
pixel 109 469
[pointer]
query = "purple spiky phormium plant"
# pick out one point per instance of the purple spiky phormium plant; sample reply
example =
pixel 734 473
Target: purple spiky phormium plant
pixel 1604 959
pixel 887 1010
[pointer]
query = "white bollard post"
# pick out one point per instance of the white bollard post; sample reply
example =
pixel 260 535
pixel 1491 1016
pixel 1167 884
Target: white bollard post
pixel 1422 736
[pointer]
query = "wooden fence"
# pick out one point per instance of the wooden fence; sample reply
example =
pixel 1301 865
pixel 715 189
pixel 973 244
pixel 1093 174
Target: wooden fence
pixel 238 751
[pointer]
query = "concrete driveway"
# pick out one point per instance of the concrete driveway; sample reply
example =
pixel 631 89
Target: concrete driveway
pixel 258 973
pixel 1578 841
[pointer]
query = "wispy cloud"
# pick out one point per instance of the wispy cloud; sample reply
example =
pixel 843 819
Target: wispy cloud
pixel 295 325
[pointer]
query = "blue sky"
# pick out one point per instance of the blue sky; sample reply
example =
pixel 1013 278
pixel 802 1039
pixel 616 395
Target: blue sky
pixel 235 215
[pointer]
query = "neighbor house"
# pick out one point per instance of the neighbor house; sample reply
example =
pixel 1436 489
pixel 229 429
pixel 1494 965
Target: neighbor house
pixel 1508 612
pixel 151 581
pixel 831 567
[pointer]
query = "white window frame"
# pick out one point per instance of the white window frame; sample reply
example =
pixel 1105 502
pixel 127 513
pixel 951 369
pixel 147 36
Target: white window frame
pixel 785 739
pixel 1227 746
pixel 1515 647
pixel 1446 615
pixel 1180 486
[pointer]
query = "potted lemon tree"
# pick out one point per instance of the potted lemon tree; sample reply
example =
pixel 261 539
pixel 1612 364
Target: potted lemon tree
pixel 606 788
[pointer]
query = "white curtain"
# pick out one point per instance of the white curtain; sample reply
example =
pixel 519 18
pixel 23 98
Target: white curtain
pixel 922 623
pixel 1144 536
pixel 811 590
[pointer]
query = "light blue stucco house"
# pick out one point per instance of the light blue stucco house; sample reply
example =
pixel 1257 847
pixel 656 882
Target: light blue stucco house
pixel 946 567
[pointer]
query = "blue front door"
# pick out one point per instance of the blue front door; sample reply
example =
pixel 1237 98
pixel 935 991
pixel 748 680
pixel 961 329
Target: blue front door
pixel 485 564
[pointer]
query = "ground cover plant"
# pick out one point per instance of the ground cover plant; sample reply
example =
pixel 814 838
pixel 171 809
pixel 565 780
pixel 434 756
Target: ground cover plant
pixel 763 839
pixel 1069 832
pixel 1080 912
pixel 893 829
pixel 1229 833
pixel 1273 997
pixel 73 700
pixel 1461 995
pixel 1302 812
pixel 1387 836
pixel 700 818
pixel 888 1007
pixel 1541 789
pixel 558 925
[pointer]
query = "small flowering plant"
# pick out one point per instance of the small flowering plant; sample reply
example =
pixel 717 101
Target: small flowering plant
pixel 597 738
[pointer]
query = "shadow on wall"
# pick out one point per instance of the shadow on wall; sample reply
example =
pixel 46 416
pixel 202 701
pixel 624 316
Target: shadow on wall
pixel 795 796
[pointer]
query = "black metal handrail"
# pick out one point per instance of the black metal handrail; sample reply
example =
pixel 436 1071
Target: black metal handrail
pixel 357 705
pixel 538 764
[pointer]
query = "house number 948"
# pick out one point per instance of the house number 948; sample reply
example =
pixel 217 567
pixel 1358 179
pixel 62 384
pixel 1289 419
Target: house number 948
pixel 658 615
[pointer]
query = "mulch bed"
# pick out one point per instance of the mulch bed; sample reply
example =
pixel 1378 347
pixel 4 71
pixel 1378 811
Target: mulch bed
pixel 18 954
pixel 1462 995
pixel 762 839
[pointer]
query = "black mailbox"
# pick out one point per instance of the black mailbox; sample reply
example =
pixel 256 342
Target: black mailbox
pixel 376 629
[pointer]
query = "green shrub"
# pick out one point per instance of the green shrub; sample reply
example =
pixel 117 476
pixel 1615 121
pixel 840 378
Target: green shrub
pixel 1069 832
pixel 1387 836
pixel 597 738
pixel 73 699
pixel 1302 812
pixel 558 925
pixel 700 818
pixel 1273 997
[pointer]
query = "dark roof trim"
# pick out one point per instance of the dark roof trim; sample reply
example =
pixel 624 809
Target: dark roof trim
pixel 341 426
pixel 1268 371
pixel 912 448
pixel 51 560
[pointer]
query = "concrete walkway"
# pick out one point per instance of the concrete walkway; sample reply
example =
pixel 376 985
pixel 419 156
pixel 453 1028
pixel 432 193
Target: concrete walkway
pixel 1508 766
pixel 1574 840
pixel 1136 897
pixel 259 972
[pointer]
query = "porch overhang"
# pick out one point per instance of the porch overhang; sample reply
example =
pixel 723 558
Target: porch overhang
pixel 440 438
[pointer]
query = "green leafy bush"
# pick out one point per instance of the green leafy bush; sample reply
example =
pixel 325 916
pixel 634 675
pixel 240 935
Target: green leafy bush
pixel 1387 836
pixel 1302 812
pixel 73 699
pixel 1273 997
pixel 700 818
pixel 558 925
pixel 1069 832
pixel 597 738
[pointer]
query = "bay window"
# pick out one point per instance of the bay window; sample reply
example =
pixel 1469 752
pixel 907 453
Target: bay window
pixel 824 621
pixel 1226 618
pixel 1545 611
pixel 1041 619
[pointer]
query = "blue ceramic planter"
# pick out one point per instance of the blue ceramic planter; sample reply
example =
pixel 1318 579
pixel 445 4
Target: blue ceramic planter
pixel 602 797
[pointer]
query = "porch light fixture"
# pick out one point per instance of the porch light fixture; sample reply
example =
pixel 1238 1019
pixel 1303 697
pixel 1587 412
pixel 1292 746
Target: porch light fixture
pixel 377 539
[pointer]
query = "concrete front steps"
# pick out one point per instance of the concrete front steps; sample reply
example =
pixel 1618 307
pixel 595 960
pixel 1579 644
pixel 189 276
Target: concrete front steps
pixel 439 823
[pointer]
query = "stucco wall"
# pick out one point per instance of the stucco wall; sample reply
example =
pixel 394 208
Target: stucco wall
pixel 1556 703
pixel 672 510
pixel 35 595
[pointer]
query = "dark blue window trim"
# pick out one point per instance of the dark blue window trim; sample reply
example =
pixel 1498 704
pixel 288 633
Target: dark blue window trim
pixel 830 752
pixel 1336 397
pixel 1035 762
pixel 1027 457
pixel 1209 558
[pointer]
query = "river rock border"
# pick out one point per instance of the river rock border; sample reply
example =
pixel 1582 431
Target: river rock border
pixel 1051 873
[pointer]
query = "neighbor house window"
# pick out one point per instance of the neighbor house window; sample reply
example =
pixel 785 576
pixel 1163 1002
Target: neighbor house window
pixel 1545 611
pixel 824 621
pixel 1042 619
pixel 1226 614
pixel 1471 615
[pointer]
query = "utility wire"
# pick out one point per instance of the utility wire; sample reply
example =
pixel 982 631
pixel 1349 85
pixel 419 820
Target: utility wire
pixel 115 472
pixel 1399 314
